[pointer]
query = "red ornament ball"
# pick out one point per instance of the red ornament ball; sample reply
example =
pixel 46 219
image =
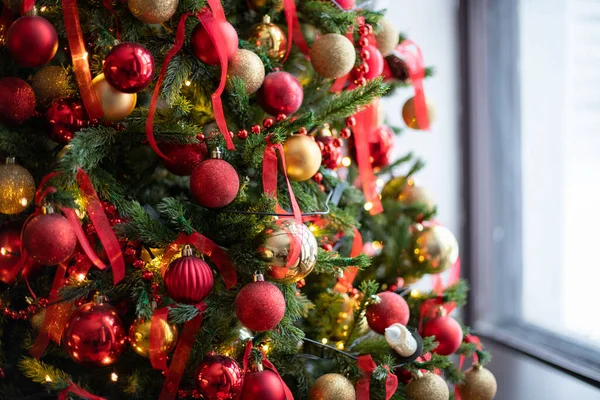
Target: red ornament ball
pixel 32 41
pixel 214 183
pixel 49 239
pixel 188 279
pixel 219 378
pixel 10 246
pixel 17 101
pixel 129 67
pixel 448 333
pixel 281 93
pixel 95 335
pixel 263 385
pixel 203 47
pixel 392 309
pixel 260 306
pixel 182 158
pixel 65 117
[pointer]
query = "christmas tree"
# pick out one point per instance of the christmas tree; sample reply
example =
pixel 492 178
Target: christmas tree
pixel 199 201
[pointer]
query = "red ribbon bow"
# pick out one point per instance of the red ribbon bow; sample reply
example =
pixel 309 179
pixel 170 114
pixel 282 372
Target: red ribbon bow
pixel 267 364
pixel 294 31
pixel 344 284
pixel 363 386
pixel 76 390
pixel 412 55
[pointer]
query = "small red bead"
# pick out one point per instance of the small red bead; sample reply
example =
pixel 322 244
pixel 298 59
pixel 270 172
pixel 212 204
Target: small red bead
pixel 154 287
pixel 322 188
pixel 157 299
pixel 130 251
pixel 139 264
pixel 147 275
pixel 301 283
pixel 363 30
pixel 6 312
pixel 196 394
pixel 327 247
pixel 255 129
pixel 351 121
pixel 268 122
pixel 370 28
pixel 43 302
pixel 364 68
pixel 242 134
pixel 201 137
pixel 321 146
pixel 337 142
pixel 90 230
pixel 31 308
pixel 182 394
pixel 318 177
pixel 13 315
pixel 365 55
pixel 80 302
pixel 362 81
pixel 281 117
pixel 345 133
pixel 302 131
pixel 231 134
pixel 363 42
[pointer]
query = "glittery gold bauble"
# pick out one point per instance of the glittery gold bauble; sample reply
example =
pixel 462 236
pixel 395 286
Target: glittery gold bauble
pixel 116 105
pixel 332 387
pixel 37 319
pixel 388 38
pixel 407 192
pixel 427 387
pixel 434 246
pixel 153 11
pixel 139 337
pixel 17 187
pixel 269 37
pixel 332 55
pixel 409 113
pixel 302 157
pixel 479 384
pixel 49 83
pixel 248 67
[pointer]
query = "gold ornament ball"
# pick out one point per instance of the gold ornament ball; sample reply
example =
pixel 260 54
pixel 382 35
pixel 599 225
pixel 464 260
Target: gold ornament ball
pixel 479 384
pixel 258 4
pixel 429 386
pixel 116 105
pixel 332 55
pixel 332 387
pixel 435 246
pixel 139 337
pixel 405 191
pixel 153 11
pixel 388 38
pixel 409 113
pixel 17 187
pixel 269 37
pixel 302 157
pixel 37 319
pixel 345 317
pixel 49 83
pixel 249 68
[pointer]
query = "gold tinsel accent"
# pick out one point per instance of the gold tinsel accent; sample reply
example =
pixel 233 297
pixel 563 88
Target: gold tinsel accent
pixel 248 67
pixel 49 83
pixel 427 387
pixel 332 387
pixel 332 55
pixel 479 384
pixel 153 11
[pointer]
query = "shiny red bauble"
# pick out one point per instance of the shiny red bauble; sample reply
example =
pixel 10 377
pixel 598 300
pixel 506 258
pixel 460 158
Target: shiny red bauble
pixel 182 158
pixel 375 62
pixel 95 335
pixel 188 280
pixel 17 101
pixel 129 67
pixel 214 183
pixel 203 47
pixel 64 118
pixel 263 385
pixel 260 306
pixel 281 93
pixel 392 309
pixel 32 41
pixel 49 239
pixel 10 249
pixel 219 378
pixel 448 333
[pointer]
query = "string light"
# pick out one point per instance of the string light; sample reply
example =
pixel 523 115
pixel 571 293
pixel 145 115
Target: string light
pixel 114 377
pixel 188 83
pixel 415 293
pixel 324 340
pixel 43 9
pixel 340 346
pixel 3 251
pixel 80 277
pixel 24 202
pixel 368 206
pixel 377 245
pixel 380 182
pixel 346 161
pixel 47 378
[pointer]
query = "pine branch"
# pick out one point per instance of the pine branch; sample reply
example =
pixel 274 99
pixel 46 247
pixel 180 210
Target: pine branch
pixel 44 374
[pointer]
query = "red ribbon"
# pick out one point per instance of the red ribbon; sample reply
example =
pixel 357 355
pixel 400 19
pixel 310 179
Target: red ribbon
pixel 294 31
pixel 158 358
pixel 363 386
pixel 453 278
pixel 267 364
pixel 78 391
pixel 109 7
pixel 344 283
pixel 27 6
pixel 411 53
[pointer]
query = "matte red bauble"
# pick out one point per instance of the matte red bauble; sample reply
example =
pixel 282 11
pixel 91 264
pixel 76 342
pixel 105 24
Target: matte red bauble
pixel 281 93
pixel 263 385
pixel 219 378
pixel 94 335
pixel 203 47
pixel 448 333
pixel 182 158
pixel 375 62
pixel 17 101
pixel 49 239
pixel 214 183
pixel 392 309
pixel 129 67
pixel 260 306
pixel 10 249
pixel 65 117
pixel 32 41
pixel 188 279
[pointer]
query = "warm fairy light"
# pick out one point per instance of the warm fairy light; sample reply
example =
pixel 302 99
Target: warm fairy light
pixel 47 378
pixel 80 277
pixel 368 206
pixel 421 258
pixel 380 182
pixel 344 315
pixel 24 202
pixel 377 245
pixel 417 251
pixel 3 251
pixel 43 8
pixel 86 55
pixel 188 83
pixel 415 293
pixel 346 161
pixel 324 340
pixel 340 346
pixel 114 377
pixel 312 228
pixel 266 348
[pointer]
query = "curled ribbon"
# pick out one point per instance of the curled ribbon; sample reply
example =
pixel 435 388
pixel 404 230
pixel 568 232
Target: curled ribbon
pixel 267 364
pixel 412 55
pixel 363 386
pixel 294 32
pixel 344 284
pixel 78 391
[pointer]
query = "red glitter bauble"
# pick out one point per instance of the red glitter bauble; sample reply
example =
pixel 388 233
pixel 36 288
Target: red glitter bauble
pixel 214 183
pixel 392 309
pixel 188 279
pixel 10 248
pixel 375 62
pixel 260 306
pixel 49 239
pixel 332 153
pixel 281 93
pixel 17 101
pixel 32 41
pixel 65 117
pixel 129 67
pixel 203 47
pixel 263 385
pixel 182 158
pixel 94 335
pixel 219 378
pixel 381 146
pixel 448 333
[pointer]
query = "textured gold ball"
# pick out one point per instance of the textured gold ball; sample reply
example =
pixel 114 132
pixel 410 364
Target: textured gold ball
pixel 436 246
pixel 49 83
pixel 409 113
pixel 153 11
pixel 248 67
pixel 428 387
pixel 139 337
pixel 269 37
pixel 407 193
pixel 37 319
pixel 332 387
pixel 332 55
pixel 388 38
pixel 116 105
pixel 479 384
pixel 17 188
pixel 302 157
